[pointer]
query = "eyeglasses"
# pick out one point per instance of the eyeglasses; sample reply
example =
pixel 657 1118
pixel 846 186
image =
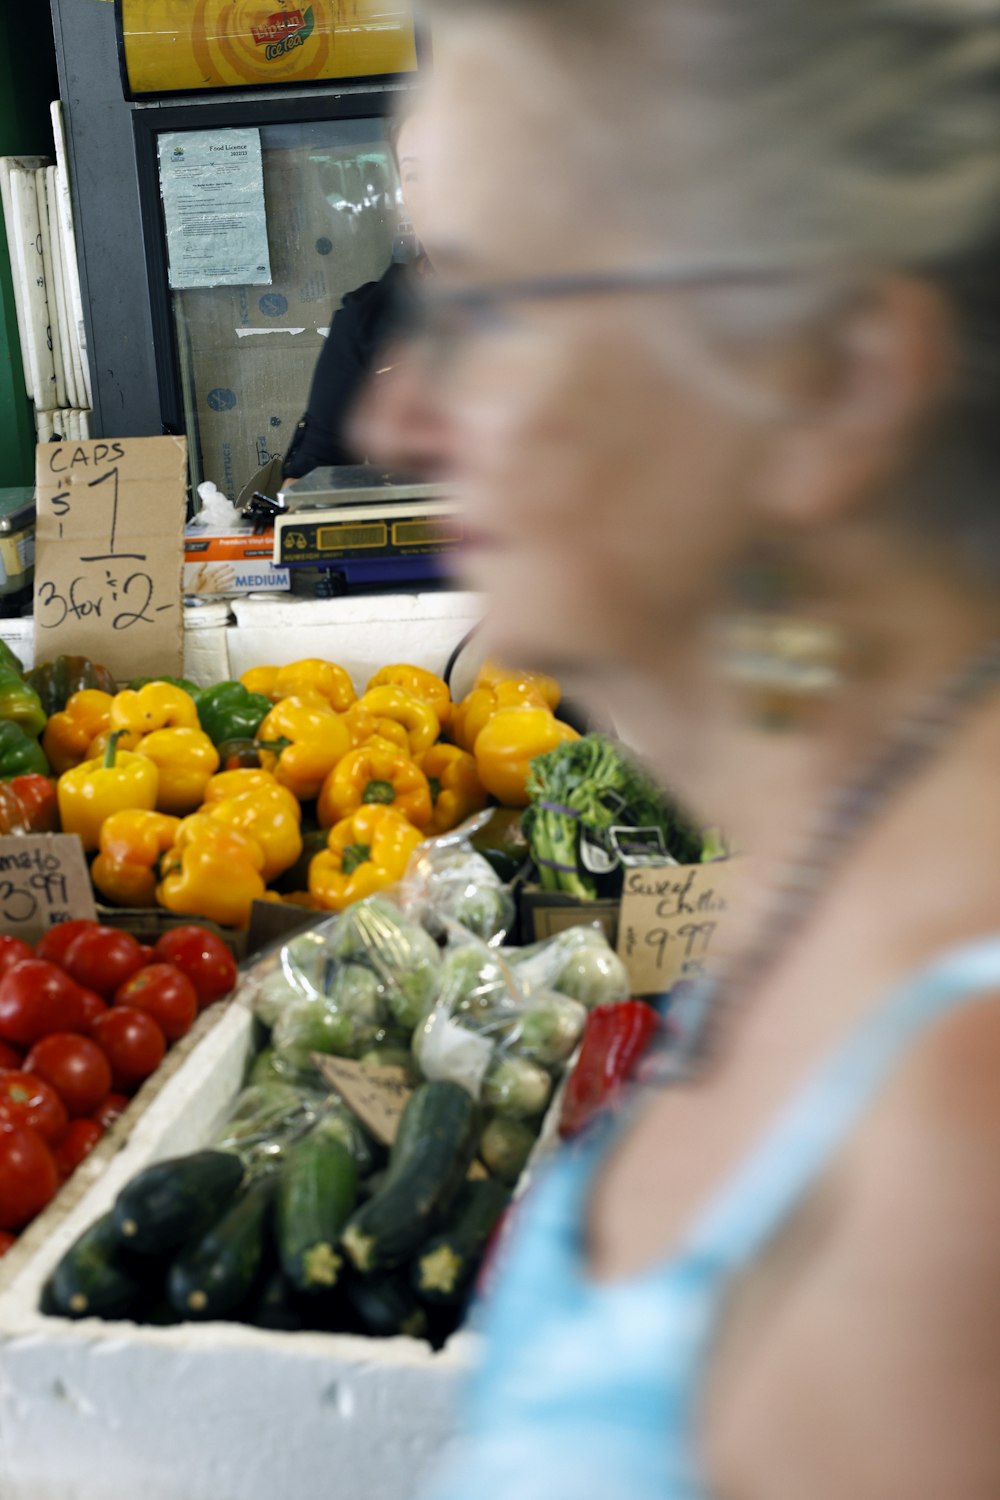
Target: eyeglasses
pixel 450 315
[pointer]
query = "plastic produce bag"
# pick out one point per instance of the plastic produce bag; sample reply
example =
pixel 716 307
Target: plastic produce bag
pixel 264 1121
pixel 579 963
pixel 405 958
pixel 503 1046
pixel 448 881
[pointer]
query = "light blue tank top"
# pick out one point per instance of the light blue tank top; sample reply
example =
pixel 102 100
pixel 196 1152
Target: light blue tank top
pixel 592 1391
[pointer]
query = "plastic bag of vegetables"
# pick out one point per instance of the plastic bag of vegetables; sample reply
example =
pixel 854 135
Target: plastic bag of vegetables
pixel 264 1121
pixel 578 962
pixel 501 1045
pixel 448 881
pixel 405 959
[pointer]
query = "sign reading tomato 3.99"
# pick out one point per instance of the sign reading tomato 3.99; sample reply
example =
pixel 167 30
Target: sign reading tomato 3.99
pixel 210 44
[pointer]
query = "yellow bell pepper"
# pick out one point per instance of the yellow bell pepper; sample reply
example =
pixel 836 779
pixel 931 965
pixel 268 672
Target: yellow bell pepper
pixel 212 871
pixel 312 741
pixel 92 791
pixel 491 674
pixel 324 678
pixel 421 683
pixel 364 726
pixel 376 774
pixel 68 735
pixel 364 854
pixel 456 789
pixel 421 723
pixel 252 803
pixel 97 748
pixel 509 743
pixel 132 844
pixel 159 705
pixel 470 717
pixel 186 760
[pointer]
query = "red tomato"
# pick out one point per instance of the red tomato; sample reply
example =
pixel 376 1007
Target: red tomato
pixel 133 1044
pixel 78 1142
pixel 94 1004
pixel 109 1109
pixel 13 951
pixel 37 998
pixel 75 1067
pixel 28 1174
pixel 28 1100
pixel 102 959
pixel 203 957
pixel 147 952
pixel 52 946
pixel 9 1058
pixel 7 1242
pixel 164 993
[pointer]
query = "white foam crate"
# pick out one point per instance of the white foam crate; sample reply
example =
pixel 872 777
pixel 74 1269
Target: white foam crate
pixel 217 1411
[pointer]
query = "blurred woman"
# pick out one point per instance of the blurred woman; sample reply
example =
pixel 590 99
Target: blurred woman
pixel 719 291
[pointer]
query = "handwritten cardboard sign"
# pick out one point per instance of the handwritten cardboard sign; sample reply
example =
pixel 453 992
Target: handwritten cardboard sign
pixel 377 1096
pixel 109 553
pixel 670 919
pixel 43 880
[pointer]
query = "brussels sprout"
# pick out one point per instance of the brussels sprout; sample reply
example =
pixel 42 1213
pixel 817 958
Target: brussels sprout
pixel 485 911
pixel 274 994
pixel 517 1088
pixel 356 991
pixel 594 975
pixel 551 1026
pixel 505 1147
pixel 312 1026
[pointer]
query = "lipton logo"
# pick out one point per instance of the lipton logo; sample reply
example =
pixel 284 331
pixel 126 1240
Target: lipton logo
pixel 284 31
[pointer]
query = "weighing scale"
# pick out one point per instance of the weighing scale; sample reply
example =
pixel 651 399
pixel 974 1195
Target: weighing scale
pixel 365 528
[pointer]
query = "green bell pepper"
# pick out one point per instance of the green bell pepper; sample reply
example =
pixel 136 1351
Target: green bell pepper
pixel 191 688
pixel 56 681
pixel 20 755
pixel 228 711
pixel 19 703
pixel 8 658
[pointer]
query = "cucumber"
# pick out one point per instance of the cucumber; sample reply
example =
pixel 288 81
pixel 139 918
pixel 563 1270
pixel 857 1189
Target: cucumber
pixel 95 1279
pixel 431 1155
pixel 505 1147
pixel 174 1201
pixel 447 1263
pixel 317 1191
pixel 275 1307
pixel 213 1276
pixel 386 1307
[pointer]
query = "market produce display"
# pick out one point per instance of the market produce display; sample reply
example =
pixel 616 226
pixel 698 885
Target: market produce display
pixel 85 1018
pixel 296 1215
pixel 284 786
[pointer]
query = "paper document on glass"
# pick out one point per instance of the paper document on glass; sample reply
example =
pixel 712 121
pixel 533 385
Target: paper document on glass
pixel 212 186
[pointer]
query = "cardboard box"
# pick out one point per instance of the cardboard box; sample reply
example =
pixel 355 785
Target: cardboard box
pixel 248 400
pixel 230 563
pixel 93 1410
pixel 544 913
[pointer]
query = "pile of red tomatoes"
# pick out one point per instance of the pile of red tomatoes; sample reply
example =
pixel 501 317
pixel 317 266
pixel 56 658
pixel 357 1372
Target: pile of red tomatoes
pixel 85 1018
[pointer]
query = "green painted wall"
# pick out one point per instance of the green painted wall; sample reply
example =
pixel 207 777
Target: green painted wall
pixel 27 87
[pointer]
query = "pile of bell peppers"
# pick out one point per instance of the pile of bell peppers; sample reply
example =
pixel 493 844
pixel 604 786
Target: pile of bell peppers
pixel 286 785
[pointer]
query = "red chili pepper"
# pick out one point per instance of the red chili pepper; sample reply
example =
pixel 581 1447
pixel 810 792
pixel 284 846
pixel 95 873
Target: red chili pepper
pixel 28 804
pixel 615 1038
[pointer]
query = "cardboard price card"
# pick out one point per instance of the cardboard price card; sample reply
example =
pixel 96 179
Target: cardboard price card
pixel 43 880
pixel 670 920
pixel 109 553
pixel 377 1096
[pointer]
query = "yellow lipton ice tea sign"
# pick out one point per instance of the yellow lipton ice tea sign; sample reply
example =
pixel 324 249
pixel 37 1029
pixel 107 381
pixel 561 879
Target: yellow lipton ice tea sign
pixel 171 46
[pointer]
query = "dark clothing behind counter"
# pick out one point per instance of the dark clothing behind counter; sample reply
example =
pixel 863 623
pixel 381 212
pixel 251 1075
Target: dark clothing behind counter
pixel 366 322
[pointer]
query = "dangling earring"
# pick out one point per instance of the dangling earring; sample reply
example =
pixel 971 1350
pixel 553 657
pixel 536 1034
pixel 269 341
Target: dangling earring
pixel 784 664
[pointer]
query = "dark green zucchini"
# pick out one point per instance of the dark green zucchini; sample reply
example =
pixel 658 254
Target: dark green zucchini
pixel 275 1306
pixel 95 1279
pixel 175 1201
pixel 213 1276
pixel 430 1158
pixel 447 1263
pixel 386 1307
pixel 317 1192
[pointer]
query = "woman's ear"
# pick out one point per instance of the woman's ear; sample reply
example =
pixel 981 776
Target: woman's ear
pixel 872 392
